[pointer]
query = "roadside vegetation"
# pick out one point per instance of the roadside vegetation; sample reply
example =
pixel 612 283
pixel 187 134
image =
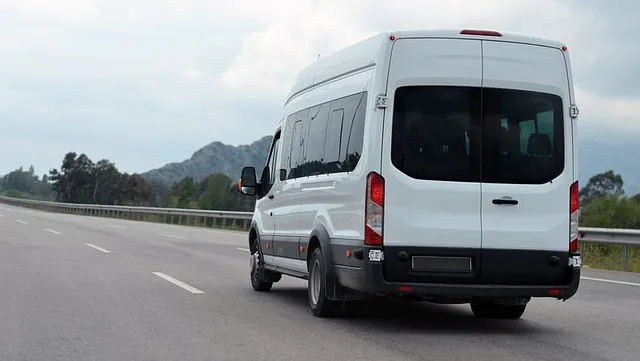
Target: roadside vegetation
pixel 603 201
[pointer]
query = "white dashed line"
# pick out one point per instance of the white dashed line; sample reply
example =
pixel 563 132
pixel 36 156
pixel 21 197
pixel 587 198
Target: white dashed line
pixel 114 226
pixel 611 281
pixel 98 248
pixel 52 231
pixel 21 221
pixel 178 283
pixel 171 236
pixel 244 249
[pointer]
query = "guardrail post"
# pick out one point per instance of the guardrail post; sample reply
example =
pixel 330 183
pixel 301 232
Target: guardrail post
pixel 625 256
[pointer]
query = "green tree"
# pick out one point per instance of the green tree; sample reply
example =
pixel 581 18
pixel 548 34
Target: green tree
pixel 80 180
pixel 611 212
pixel 601 185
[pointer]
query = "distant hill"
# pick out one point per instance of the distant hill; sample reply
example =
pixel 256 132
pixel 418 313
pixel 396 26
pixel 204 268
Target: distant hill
pixel 213 158
pixel 594 157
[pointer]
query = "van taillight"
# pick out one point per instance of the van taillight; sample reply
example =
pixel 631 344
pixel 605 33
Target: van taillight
pixel 574 207
pixel 374 210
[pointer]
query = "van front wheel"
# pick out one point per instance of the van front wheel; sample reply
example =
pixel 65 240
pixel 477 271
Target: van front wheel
pixel 320 305
pixel 485 309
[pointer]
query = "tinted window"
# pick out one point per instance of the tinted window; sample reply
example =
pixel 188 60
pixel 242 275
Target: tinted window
pixel 296 154
pixel 287 136
pixel 334 135
pixel 435 133
pixel 523 138
pixel 326 138
pixel 314 163
pixel 353 131
pixel 352 110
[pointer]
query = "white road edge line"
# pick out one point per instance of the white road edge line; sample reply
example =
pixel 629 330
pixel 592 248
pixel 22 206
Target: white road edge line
pixel 171 236
pixel 178 283
pixel 52 231
pixel 21 221
pixel 611 281
pixel 244 249
pixel 98 248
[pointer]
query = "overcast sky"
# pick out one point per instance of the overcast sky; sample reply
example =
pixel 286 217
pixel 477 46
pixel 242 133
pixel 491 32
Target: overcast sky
pixel 146 82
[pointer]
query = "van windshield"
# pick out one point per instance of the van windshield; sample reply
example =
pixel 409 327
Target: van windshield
pixel 471 134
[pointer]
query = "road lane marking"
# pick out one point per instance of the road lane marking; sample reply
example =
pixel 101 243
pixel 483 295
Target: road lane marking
pixel 98 248
pixel 52 231
pixel 178 283
pixel 21 221
pixel 114 226
pixel 172 236
pixel 244 249
pixel 611 281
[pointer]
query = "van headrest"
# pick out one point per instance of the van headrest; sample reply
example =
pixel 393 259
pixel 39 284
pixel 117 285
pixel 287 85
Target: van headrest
pixel 539 145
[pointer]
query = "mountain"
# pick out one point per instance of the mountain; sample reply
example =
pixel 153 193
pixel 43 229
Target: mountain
pixel 594 157
pixel 213 158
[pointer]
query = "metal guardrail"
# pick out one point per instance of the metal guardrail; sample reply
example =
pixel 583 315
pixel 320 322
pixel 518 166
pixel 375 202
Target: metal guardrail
pixel 194 217
pixel 240 220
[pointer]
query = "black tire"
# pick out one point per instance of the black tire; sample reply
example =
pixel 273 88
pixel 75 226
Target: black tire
pixel 320 305
pixel 483 309
pixel 256 269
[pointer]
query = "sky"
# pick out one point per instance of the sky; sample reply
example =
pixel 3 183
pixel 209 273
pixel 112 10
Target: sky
pixel 148 82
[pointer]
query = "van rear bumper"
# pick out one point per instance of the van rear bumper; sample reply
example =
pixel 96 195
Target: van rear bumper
pixel 370 279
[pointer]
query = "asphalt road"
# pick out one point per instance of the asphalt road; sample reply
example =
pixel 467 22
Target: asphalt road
pixel 83 288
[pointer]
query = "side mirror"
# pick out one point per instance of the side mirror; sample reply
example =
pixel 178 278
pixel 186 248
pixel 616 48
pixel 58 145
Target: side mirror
pixel 248 184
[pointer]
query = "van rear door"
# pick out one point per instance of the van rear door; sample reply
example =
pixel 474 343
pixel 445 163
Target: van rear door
pixel 432 211
pixel 527 168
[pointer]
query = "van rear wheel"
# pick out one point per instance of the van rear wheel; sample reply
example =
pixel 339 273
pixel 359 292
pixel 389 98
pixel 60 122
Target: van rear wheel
pixel 486 309
pixel 320 305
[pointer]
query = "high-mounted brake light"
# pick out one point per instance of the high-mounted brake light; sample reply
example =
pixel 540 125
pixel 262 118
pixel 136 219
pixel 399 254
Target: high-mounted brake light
pixel 574 207
pixel 480 32
pixel 374 210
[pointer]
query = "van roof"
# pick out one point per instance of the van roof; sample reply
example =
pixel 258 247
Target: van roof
pixel 363 54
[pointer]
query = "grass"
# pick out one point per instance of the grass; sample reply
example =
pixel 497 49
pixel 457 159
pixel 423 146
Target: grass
pixel 609 257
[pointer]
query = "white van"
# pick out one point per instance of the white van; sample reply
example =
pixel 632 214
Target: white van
pixel 436 165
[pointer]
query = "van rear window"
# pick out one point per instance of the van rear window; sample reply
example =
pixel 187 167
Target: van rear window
pixel 470 134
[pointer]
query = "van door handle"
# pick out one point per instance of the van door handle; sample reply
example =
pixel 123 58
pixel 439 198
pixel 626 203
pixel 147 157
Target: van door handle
pixel 270 196
pixel 505 201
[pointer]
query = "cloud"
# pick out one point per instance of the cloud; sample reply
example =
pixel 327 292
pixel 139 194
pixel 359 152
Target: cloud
pixel 150 81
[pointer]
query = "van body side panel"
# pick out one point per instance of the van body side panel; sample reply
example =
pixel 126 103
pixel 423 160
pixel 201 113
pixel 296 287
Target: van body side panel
pixel 527 157
pixel 432 193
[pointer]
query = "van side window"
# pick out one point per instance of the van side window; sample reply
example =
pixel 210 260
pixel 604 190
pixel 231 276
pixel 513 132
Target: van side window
pixel 353 132
pixel 349 141
pixel 531 149
pixel 435 133
pixel 326 138
pixel 285 159
pixel 314 163
pixel 334 136
pixel 296 151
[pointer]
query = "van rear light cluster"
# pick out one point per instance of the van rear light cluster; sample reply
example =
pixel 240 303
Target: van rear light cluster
pixel 574 207
pixel 374 210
